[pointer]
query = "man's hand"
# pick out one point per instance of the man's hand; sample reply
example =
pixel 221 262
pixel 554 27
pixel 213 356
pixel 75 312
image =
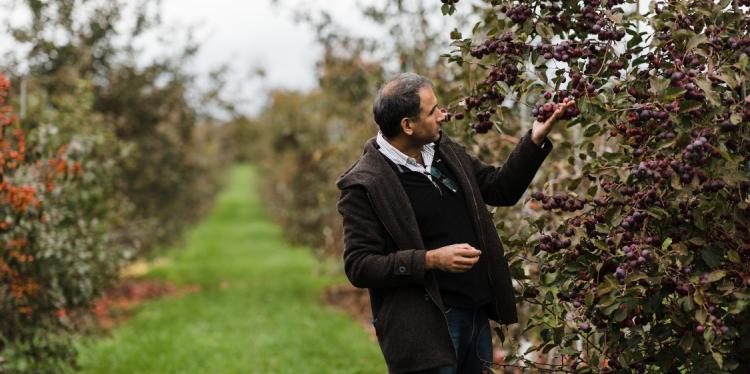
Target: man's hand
pixel 455 258
pixel 540 130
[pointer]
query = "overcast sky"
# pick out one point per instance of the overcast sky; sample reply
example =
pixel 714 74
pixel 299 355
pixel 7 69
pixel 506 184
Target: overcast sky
pixel 248 35
pixel 245 35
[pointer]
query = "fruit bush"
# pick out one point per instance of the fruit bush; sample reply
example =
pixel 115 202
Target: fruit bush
pixel 57 251
pixel 116 161
pixel 640 262
pixel 168 156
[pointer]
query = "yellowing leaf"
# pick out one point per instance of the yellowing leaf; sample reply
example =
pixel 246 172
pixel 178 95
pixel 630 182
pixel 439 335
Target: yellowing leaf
pixel 711 95
pixel 695 41
pixel 716 275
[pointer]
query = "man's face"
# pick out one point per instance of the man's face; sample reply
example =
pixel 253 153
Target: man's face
pixel 427 126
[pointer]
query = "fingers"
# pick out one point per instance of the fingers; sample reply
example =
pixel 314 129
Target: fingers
pixel 567 103
pixel 457 257
pixel 466 260
pixel 466 250
pixel 558 112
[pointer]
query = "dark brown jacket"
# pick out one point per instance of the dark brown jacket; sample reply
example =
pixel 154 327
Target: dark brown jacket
pixel 383 249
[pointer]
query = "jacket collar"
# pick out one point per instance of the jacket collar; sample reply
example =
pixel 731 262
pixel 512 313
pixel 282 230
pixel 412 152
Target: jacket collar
pixel 371 166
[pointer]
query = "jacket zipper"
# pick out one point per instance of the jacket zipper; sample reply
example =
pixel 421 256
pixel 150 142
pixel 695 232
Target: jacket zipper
pixel 481 237
pixel 427 291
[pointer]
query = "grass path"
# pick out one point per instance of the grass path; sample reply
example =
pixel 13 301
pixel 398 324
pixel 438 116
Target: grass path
pixel 267 318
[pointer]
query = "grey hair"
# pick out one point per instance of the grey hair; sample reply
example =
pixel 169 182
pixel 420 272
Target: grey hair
pixel 396 100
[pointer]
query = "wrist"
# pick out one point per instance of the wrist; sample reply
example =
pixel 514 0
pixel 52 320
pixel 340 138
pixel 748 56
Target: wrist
pixel 538 139
pixel 428 260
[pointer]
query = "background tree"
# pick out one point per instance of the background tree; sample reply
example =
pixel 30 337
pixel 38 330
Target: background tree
pixel 107 160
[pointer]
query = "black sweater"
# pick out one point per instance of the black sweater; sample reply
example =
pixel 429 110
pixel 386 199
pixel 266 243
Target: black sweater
pixel 443 219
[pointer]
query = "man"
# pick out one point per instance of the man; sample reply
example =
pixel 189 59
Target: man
pixel 418 235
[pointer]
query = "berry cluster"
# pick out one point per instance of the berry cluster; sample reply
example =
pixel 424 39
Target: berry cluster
pixel 739 44
pixel 718 326
pixel 646 199
pixel 503 45
pixel 449 116
pixel 552 243
pixel 560 201
pixel 563 51
pixel 685 171
pixel 634 221
pixel 578 86
pixel 643 115
pixel 603 32
pixel 485 124
pixel 507 73
pixel 656 169
pixel 636 258
pixel 543 112
pixel 636 93
pixel 519 13
pixel 624 190
pixel 490 95
pixel 714 185
pixel 697 152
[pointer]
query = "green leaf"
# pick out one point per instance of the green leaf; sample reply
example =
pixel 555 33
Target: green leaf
pixel 711 95
pixel 686 343
pixel 621 314
pixel 544 30
pixel 733 256
pixel 657 212
pixel 687 303
pixel 724 152
pixel 455 34
pixel 711 257
pixel 695 41
pixel 672 93
pixel 610 309
pixel 718 358
pixel 735 118
pixel 675 182
pixel 742 63
pixel 690 105
pixel 589 299
pixel 635 40
pixel 600 245
pixel 698 298
pixel 558 334
pixel 681 34
pixel 738 307
pixel 592 130
pixel 701 315
pixel 666 243
pixel 658 85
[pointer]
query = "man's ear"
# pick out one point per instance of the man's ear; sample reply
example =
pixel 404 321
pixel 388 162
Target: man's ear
pixel 406 126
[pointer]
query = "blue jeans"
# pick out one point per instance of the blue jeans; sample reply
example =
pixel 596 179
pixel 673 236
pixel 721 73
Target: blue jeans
pixel 472 340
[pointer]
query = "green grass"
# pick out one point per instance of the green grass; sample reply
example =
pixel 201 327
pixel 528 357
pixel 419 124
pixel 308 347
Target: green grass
pixel 268 320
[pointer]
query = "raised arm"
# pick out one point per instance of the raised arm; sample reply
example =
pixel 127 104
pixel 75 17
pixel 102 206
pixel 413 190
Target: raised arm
pixel 504 185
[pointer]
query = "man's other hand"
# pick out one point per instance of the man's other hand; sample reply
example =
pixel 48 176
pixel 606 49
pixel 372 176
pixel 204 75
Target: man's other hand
pixel 455 258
